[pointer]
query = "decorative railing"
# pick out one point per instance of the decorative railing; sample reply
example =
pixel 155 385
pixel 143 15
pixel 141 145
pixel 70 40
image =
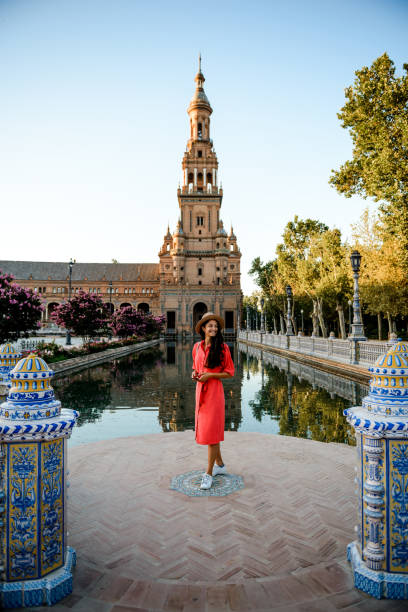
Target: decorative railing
pixel 346 351
pixel 370 351
pixel 332 383
pixel 28 345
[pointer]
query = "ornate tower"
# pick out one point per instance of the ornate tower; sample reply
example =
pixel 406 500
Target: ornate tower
pixel 199 262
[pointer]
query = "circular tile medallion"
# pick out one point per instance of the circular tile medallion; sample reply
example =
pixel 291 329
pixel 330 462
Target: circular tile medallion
pixel 222 484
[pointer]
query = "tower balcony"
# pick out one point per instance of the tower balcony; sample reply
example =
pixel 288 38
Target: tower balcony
pixel 208 190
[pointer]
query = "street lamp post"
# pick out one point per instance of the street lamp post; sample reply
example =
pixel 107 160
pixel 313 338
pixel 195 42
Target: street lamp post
pixel 110 306
pixel 357 328
pixel 349 305
pixel 262 316
pixel 289 328
pixel 303 323
pixel 71 265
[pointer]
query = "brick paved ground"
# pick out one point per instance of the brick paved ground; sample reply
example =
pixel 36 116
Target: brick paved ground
pixel 279 544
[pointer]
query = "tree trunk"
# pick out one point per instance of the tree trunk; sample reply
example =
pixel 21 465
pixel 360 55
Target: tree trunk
pixel 390 325
pixel 342 323
pixel 282 324
pixel 379 323
pixel 315 320
pixel 293 319
pixel 321 318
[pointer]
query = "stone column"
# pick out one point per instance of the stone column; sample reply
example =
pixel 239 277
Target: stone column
pixel 35 558
pixel 379 557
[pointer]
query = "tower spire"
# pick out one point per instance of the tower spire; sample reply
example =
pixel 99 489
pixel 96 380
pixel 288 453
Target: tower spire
pixel 199 62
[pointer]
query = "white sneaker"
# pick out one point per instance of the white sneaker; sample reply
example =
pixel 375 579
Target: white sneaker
pixel 206 481
pixel 217 469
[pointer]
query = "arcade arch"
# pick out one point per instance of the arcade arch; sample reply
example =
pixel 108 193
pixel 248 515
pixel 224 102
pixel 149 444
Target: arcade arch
pixel 199 310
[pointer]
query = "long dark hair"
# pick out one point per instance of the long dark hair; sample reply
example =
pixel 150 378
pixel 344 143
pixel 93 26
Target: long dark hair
pixel 216 352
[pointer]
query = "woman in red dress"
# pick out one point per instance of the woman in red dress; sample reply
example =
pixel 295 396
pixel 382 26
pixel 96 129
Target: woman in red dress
pixel 211 362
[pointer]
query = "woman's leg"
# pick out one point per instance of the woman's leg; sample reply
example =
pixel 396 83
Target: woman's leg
pixel 218 458
pixel 213 450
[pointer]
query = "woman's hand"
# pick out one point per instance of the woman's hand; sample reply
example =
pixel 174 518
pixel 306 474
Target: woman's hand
pixel 204 377
pixel 194 375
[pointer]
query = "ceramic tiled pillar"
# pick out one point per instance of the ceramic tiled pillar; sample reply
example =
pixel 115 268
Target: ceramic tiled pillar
pixel 379 557
pixel 8 359
pixel 36 563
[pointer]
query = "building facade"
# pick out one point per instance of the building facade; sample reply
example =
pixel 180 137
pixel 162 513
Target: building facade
pixel 199 263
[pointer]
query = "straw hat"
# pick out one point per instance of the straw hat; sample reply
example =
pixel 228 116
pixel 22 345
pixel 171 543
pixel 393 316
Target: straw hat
pixel 209 316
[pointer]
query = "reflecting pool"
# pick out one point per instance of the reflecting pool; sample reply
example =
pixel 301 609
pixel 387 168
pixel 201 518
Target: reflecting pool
pixel 152 392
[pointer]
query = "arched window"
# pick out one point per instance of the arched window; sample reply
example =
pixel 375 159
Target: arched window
pixel 200 271
pixel 199 179
pixel 200 131
pixel 209 178
pixel 199 153
pixel 190 177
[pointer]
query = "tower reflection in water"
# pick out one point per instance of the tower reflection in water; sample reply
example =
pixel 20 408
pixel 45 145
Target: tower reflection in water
pixel 268 394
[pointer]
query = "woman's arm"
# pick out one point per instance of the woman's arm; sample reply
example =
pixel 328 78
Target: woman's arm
pixel 208 375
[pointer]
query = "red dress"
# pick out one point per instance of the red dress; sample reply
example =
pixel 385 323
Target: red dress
pixel 210 400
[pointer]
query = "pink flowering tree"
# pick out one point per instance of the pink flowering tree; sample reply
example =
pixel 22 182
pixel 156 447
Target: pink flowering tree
pixel 84 315
pixel 128 321
pixel 154 324
pixel 20 310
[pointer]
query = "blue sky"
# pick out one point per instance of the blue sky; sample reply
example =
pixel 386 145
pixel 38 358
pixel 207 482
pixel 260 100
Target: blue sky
pixel 93 121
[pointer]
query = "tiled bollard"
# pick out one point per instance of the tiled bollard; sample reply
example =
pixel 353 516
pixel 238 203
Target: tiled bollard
pixel 36 563
pixel 379 557
pixel 8 359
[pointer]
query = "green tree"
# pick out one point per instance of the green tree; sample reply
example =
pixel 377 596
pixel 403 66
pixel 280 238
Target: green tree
pixel 376 115
pixel 273 276
pixel 383 280
pixel 292 255
pixel 323 275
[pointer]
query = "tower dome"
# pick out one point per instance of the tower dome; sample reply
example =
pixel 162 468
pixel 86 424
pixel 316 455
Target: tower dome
pixel 232 236
pixel 179 229
pixel 199 99
pixel 168 235
pixel 221 231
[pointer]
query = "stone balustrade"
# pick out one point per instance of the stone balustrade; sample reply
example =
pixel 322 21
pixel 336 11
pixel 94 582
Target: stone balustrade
pixel 344 351
pixel 332 383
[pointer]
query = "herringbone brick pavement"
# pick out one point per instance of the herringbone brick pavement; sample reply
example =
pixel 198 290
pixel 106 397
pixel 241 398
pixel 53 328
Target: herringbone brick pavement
pixel 278 544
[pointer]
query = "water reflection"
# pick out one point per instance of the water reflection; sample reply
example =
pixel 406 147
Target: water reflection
pixel 153 391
